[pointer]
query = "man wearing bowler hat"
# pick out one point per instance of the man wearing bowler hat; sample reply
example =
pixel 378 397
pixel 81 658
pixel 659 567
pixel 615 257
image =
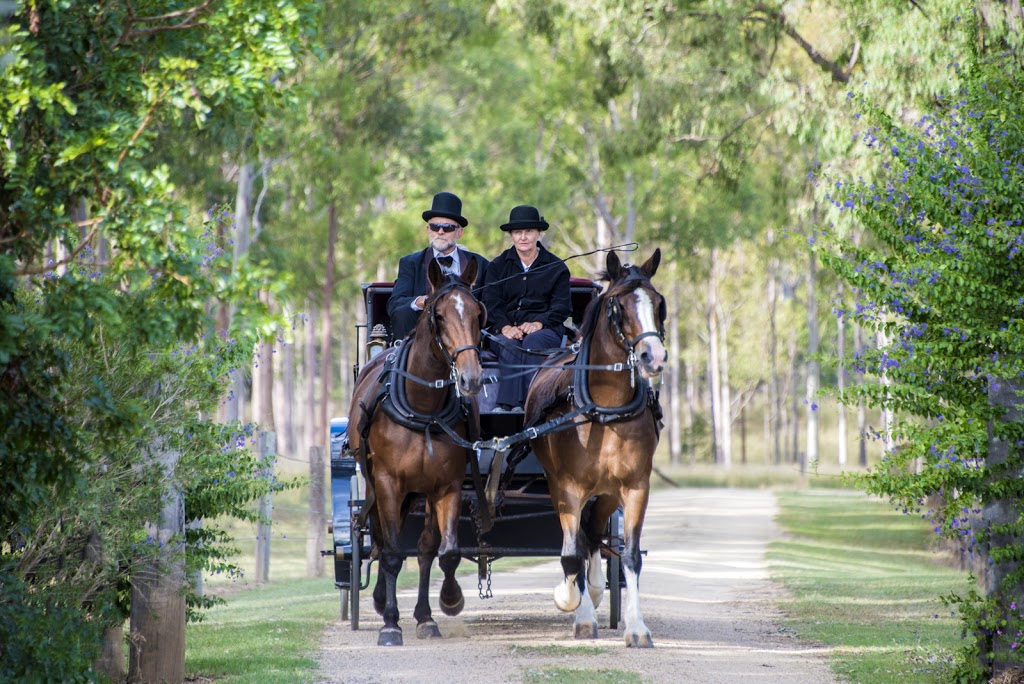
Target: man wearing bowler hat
pixel 445 224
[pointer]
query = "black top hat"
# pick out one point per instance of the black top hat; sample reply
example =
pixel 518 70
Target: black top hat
pixel 447 205
pixel 525 216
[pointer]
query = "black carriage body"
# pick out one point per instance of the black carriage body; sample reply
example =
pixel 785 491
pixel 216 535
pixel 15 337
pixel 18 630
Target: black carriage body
pixel 524 521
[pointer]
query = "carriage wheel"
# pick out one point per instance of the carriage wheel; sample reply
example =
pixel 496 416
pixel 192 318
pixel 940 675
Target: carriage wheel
pixel 615 570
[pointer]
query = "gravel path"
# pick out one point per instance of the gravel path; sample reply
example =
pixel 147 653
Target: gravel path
pixel 705 595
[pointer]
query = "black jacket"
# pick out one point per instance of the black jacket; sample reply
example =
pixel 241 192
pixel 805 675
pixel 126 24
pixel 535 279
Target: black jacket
pixel 540 294
pixel 412 276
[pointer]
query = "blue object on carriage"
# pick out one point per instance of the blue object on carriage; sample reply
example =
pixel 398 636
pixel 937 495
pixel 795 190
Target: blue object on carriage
pixel 339 431
pixel 343 469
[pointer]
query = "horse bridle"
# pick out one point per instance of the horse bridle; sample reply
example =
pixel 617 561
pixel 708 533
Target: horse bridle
pixel 615 317
pixel 435 329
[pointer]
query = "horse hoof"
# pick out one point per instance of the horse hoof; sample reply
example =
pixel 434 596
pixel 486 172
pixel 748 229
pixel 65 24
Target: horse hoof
pixel 451 599
pixel 454 608
pixel 639 640
pixel 389 636
pixel 586 630
pixel 567 597
pixel 428 630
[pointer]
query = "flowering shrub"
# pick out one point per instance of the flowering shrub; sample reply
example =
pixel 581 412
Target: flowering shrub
pixel 941 278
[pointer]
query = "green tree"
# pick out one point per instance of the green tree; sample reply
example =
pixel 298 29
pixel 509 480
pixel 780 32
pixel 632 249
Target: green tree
pixel 103 288
pixel 943 284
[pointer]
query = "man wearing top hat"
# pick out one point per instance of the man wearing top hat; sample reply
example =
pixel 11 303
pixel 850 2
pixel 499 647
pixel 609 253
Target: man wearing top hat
pixel 528 299
pixel 444 228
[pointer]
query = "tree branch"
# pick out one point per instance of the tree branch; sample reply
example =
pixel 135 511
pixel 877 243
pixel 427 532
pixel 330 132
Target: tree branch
pixel 141 128
pixel 192 11
pixel 39 270
pixel 838 74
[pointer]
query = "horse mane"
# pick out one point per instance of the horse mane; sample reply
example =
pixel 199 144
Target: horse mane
pixel 589 323
pixel 450 282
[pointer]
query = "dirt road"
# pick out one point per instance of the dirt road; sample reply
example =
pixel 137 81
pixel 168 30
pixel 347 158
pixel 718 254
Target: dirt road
pixel 705 595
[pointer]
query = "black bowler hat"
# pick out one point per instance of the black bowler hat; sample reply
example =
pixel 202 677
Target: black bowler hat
pixel 447 205
pixel 525 216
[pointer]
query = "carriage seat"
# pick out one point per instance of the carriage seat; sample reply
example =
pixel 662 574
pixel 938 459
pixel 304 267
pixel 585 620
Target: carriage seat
pixel 378 323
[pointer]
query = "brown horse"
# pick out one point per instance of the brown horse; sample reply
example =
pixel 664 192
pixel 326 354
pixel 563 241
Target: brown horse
pixel 609 453
pixel 397 401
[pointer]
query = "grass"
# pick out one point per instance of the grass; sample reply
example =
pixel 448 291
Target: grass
pixel 863 578
pixel 269 634
pixel 865 582
pixel 746 477
pixel 555 650
pixel 572 675
pixel 266 635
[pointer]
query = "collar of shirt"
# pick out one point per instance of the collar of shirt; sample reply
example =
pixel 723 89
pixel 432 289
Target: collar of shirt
pixel 456 267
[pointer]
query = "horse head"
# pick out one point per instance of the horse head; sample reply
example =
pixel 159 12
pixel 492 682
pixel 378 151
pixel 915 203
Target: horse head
pixel 637 311
pixel 455 318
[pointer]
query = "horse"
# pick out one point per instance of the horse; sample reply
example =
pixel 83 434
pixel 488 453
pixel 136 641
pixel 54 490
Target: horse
pixel 609 453
pixel 400 399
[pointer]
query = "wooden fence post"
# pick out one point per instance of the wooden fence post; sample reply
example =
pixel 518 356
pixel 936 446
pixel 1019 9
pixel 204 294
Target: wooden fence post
pixel 316 537
pixel 1005 393
pixel 157 614
pixel 268 451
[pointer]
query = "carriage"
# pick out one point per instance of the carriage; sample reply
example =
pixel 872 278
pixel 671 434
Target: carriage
pixel 511 515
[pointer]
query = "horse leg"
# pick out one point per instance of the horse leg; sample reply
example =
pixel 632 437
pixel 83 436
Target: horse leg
pixel 380 590
pixel 389 511
pixel 426 549
pixel 636 632
pixel 596 528
pixel 449 506
pixel 568 591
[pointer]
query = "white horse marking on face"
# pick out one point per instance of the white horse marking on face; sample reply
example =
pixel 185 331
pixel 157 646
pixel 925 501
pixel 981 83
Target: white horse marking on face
pixel 460 306
pixel 645 310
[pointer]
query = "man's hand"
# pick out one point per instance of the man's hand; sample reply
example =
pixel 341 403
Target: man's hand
pixel 421 302
pixel 530 327
pixel 512 332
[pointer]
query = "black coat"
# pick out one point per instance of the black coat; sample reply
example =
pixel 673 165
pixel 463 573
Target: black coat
pixel 539 295
pixel 412 276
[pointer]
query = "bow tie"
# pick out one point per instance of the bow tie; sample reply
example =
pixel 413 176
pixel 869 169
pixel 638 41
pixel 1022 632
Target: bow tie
pixel 446 262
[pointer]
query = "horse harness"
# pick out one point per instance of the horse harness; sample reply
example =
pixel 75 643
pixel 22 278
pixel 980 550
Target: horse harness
pixel 391 398
pixel 578 392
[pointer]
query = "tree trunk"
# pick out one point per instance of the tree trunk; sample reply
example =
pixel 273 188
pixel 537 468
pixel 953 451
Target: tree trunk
pixel 714 372
pixel 309 434
pixel 812 370
pixel 794 378
pixel 110 663
pixel 288 398
pixel 862 418
pixel 263 378
pixel 326 360
pixel 886 417
pixel 774 402
pixel 841 381
pixel 767 418
pixel 157 630
pixel 743 434
pixel 675 440
pixel 235 403
pixel 689 408
pixel 726 389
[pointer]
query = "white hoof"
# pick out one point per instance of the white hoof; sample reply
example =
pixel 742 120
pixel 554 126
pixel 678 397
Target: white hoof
pixel 567 595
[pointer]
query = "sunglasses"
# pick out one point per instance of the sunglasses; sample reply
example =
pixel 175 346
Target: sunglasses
pixel 446 227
